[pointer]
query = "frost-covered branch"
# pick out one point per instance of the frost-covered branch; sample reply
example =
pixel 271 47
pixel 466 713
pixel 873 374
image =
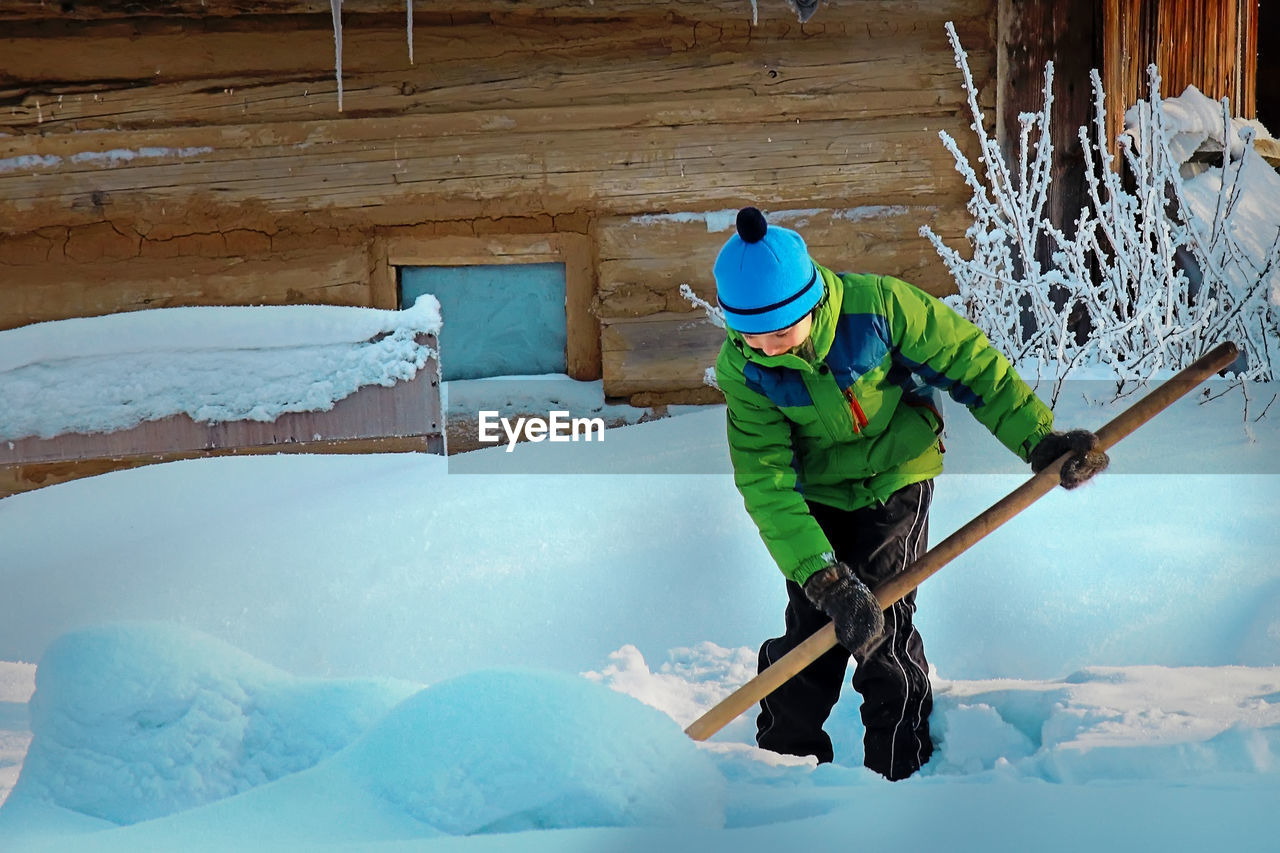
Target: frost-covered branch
pixel 1151 278
pixel 716 315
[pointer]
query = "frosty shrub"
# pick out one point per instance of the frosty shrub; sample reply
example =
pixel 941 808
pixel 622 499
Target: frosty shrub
pixel 1154 286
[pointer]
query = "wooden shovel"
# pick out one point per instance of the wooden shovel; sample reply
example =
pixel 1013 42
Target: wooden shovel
pixel 957 543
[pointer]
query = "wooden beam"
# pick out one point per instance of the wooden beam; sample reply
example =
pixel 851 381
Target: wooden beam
pixel 122 79
pixel 1031 33
pixel 15 479
pixel 508 173
pixel 49 290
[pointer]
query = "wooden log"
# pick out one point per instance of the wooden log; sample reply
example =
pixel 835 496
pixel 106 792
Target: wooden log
pixel 659 353
pixel 177 51
pixel 509 173
pixel 46 10
pixel 644 259
pixel 53 291
pixel 86 83
pixel 579 97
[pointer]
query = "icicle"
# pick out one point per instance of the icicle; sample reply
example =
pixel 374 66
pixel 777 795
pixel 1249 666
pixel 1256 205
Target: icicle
pixel 409 24
pixel 335 7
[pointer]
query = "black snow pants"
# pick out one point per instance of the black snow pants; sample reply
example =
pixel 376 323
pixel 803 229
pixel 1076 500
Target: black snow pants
pixel 877 542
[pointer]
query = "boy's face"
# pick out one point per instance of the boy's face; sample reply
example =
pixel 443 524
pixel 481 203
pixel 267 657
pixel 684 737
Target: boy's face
pixel 783 340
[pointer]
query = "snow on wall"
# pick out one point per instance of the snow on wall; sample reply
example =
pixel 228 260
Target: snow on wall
pixel 1195 124
pixel 101 374
pixel 114 157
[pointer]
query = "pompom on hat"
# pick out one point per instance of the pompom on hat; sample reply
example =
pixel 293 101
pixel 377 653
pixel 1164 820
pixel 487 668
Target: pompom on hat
pixel 765 279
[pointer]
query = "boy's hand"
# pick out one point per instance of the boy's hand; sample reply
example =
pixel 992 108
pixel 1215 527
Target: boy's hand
pixel 859 620
pixel 1086 459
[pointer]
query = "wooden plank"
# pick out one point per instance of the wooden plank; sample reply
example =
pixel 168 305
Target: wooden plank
pixel 112 151
pixel 582 327
pixel 660 353
pixel 407 409
pixel 623 70
pixel 177 51
pixel 577 97
pixel 15 479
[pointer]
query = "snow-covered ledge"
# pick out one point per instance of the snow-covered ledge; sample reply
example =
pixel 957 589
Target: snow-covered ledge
pixel 181 380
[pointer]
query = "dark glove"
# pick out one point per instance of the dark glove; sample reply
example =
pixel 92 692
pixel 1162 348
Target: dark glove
pixel 1086 459
pixel 837 592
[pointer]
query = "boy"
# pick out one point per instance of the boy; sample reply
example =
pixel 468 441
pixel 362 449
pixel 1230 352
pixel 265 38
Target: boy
pixel 834 438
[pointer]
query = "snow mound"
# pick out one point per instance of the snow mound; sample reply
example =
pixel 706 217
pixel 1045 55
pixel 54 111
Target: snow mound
pixel 156 728
pixel 512 750
pixel 1112 724
pixel 134 721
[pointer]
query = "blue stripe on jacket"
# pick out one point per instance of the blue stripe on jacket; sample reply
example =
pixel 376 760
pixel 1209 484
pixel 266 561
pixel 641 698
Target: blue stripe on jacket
pixel 783 386
pixel 961 393
pixel 860 344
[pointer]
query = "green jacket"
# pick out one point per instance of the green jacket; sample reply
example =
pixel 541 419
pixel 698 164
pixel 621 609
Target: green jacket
pixel 855 420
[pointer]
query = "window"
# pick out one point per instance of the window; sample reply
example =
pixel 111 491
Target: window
pixel 499 319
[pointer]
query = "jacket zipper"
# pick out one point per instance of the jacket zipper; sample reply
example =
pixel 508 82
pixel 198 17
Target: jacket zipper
pixel 855 410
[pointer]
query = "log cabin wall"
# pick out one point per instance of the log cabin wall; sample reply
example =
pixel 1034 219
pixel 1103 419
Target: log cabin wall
pixel 173 153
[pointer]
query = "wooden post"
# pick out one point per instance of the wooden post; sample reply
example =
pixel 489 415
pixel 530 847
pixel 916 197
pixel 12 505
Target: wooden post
pixel 957 543
pixel 1032 32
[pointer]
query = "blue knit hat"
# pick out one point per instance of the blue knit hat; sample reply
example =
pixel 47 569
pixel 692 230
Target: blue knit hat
pixel 765 279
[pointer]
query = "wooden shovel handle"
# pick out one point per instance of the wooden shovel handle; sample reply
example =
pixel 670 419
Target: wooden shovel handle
pixel 773 677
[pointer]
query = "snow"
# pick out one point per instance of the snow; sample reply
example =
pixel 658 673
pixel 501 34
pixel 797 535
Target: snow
pixel 356 652
pixel 1194 123
pixel 100 374
pixel 112 158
